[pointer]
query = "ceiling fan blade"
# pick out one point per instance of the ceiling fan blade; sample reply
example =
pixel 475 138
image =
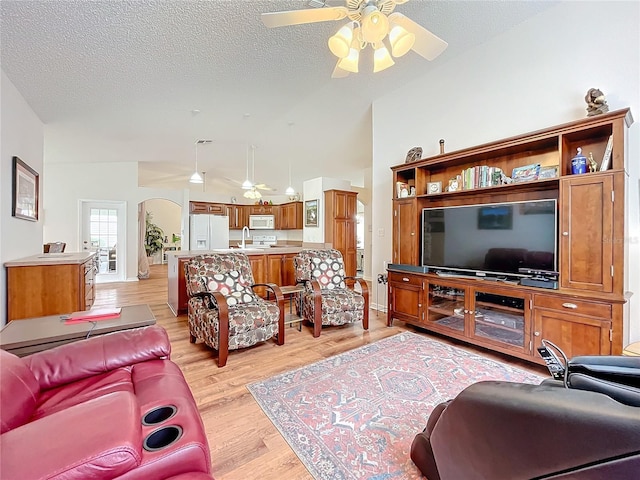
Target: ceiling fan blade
pixel 262 186
pixel 233 180
pixel 309 15
pixel 338 72
pixel 427 44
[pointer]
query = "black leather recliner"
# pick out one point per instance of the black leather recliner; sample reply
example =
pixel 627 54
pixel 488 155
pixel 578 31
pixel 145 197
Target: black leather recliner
pixel 509 431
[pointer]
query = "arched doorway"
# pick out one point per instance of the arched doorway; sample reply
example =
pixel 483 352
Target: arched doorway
pixel 159 232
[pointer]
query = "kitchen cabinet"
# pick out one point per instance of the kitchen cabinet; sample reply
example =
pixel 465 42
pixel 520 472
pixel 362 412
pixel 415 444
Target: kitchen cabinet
pixel 259 266
pixel 340 208
pixel 261 209
pixel 238 216
pixel 289 216
pixel 50 284
pixel 207 208
pixel 280 269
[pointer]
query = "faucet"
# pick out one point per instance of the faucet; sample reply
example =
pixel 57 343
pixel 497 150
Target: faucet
pixel 248 235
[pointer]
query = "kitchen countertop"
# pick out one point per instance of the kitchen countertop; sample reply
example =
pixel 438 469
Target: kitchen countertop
pixel 65 258
pixel 248 251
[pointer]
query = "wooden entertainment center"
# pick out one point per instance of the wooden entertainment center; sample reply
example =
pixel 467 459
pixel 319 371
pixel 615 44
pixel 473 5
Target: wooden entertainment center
pixel 584 315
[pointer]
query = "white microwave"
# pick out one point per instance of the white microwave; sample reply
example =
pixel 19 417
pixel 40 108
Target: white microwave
pixel 262 222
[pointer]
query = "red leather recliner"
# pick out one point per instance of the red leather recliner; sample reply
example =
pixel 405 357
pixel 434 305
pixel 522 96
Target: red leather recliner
pixel 112 406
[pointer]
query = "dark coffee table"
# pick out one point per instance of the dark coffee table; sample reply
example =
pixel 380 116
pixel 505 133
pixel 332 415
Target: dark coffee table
pixel 23 337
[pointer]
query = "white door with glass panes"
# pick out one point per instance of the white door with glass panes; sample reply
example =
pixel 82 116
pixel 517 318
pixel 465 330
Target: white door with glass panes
pixel 103 232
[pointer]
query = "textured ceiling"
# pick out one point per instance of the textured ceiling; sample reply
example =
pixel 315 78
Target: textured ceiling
pixel 119 81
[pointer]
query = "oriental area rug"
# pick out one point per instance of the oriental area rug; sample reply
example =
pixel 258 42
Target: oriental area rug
pixel 354 415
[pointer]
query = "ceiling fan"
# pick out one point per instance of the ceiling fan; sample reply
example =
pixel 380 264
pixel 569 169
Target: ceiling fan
pixel 251 188
pixel 371 22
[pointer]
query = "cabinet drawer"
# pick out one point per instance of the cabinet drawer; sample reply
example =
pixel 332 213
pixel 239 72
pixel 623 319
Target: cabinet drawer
pixel 405 278
pixel 572 305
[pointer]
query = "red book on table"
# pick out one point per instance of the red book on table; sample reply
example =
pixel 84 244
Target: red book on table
pixel 92 315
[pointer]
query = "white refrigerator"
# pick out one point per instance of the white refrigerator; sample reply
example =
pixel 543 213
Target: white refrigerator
pixel 207 232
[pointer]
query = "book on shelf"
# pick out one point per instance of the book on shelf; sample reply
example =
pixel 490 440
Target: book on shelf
pixel 606 158
pixel 480 176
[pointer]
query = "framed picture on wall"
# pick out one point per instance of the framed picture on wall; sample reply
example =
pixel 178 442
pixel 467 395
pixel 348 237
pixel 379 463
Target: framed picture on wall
pixel 311 213
pixel 25 191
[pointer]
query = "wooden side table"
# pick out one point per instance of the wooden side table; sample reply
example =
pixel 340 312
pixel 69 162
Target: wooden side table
pixel 289 291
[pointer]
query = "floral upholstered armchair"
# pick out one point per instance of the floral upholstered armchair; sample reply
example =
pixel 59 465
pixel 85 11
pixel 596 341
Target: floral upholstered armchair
pixel 224 311
pixel 327 299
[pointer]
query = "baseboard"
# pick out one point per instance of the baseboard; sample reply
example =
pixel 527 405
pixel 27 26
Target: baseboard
pixel 378 307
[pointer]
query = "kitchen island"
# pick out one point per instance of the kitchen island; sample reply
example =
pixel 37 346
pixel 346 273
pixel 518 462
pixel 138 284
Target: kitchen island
pixel 269 265
pixel 50 284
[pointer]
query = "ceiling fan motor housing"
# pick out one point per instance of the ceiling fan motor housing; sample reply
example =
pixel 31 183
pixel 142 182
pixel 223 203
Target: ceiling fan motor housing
pixel 357 7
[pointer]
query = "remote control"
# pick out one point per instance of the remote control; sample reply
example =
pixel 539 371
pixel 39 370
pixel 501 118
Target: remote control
pixel 553 363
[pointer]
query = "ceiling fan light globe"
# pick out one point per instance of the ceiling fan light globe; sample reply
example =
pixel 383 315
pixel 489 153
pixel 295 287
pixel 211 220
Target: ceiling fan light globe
pixel 382 59
pixel 340 42
pixel 350 62
pixel 195 178
pixel 252 194
pixel 375 24
pixel 401 41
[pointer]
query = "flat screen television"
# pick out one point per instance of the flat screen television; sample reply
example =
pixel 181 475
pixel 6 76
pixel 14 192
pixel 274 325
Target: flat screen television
pixel 491 239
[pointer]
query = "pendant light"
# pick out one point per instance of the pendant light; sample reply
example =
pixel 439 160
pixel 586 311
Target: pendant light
pixel 289 190
pixel 247 185
pixel 252 192
pixel 196 178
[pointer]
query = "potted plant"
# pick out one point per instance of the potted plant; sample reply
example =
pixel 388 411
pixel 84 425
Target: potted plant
pixel 153 241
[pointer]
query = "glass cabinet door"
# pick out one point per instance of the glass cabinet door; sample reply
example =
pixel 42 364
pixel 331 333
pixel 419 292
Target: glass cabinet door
pixel 500 318
pixel 446 307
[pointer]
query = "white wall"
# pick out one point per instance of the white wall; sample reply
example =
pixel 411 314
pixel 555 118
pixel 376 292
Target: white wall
pixel 69 184
pixel 532 77
pixel 21 134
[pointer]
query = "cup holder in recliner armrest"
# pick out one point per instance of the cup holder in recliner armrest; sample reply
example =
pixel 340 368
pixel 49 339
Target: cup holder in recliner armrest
pixel 159 415
pixel 162 438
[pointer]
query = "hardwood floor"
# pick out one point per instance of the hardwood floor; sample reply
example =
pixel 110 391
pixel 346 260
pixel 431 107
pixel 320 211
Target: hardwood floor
pixel 244 443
